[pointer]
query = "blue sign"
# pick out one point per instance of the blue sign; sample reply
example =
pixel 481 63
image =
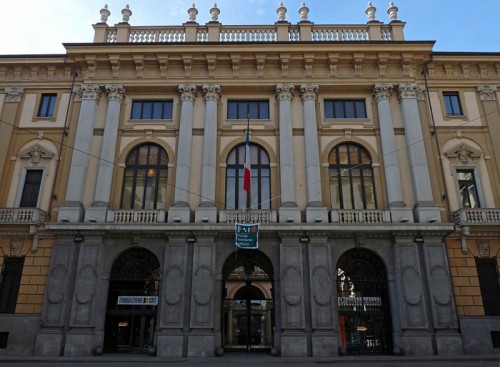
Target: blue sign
pixel 247 235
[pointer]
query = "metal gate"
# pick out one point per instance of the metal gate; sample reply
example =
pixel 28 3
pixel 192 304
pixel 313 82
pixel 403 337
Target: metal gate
pixel 363 303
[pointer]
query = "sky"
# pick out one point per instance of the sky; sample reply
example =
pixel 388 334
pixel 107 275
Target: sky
pixel 42 26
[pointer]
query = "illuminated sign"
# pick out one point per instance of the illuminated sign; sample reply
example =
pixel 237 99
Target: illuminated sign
pixel 138 300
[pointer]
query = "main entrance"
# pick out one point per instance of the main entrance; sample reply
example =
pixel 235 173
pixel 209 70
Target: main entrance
pixel 363 301
pixel 132 302
pixel 248 308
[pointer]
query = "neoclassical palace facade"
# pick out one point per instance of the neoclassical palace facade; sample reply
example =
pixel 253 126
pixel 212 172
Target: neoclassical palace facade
pixel 375 180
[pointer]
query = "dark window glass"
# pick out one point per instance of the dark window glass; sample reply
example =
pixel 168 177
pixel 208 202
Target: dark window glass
pixel 152 110
pixel 351 178
pixel 489 282
pixel 345 109
pixel 11 280
pixel 260 179
pixel 31 189
pixel 47 105
pixel 452 104
pixel 145 179
pixel 241 110
pixel 468 189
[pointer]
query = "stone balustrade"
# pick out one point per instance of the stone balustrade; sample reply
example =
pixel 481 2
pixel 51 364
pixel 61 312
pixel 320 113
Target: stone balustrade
pixel 122 216
pixel 247 216
pixel 368 216
pixel 22 216
pixel 477 217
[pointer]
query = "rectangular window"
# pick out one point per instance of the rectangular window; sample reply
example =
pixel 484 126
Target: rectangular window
pixel 452 104
pixel 152 110
pixel 242 110
pixel 31 188
pixel 468 188
pixel 47 105
pixel 11 280
pixel 489 282
pixel 345 109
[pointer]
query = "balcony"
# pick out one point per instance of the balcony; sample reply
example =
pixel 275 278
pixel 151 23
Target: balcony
pixel 123 216
pixel 368 216
pixel 247 216
pixel 30 216
pixel 466 217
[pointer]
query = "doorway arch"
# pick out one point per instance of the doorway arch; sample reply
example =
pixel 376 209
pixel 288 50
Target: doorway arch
pixel 363 303
pixel 248 307
pixel 132 302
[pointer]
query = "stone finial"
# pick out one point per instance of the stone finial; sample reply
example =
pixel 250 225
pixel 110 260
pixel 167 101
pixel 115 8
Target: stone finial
pixel 393 11
pixel 281 11
pixel 105 13
pixel 214 13
pixel 303 12
pixel 193 12
pixel 126 12
pixel 370 12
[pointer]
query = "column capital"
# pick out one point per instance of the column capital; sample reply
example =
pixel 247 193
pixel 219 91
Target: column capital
pixel 284 92
pixel 382 91
pixel 187 92
pixel 115 92
pixel 89 91
pixel 211 92
pixel 309 92
pixel 487 92
pixel 14 94
pixel 410 90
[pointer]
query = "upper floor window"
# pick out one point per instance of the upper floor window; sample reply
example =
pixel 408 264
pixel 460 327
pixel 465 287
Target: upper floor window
pixel 242 110
pixel 31 188
pixel 487 272
pixel 351 178
pixel 145 182
pixel 468 189
pixel 345 109
pixel 260 179
pixel 452 104
pixel 47 105
pixel 11 280
pixel 152 110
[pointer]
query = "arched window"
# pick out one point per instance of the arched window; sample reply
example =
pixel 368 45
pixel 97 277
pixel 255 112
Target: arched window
pixel 260 197
pixel 145 181
pixel 351 178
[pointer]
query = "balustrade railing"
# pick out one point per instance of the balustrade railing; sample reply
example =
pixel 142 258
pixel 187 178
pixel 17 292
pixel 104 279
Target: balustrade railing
pixel 360 216
pixel 477 216
pixel 247 216
pixel 22 216
pixel 248 34
pixel 123 216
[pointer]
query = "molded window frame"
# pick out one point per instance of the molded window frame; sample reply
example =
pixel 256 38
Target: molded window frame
pixel 461 102
pixel 153 101
pixel 241 115
pixel 22 185
pixel 477 182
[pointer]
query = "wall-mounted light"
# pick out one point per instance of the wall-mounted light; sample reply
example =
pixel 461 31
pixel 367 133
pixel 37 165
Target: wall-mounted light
pixel 78 238
pixel 404 220
pixel 191 238
pixel 304 238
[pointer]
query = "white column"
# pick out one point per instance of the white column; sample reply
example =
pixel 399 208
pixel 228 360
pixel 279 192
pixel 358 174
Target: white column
pixel 288 208
pixel 315 211
pixel 187 94
pixel 425 208
pixel 115 94
pixel 72 209
pixel 207 211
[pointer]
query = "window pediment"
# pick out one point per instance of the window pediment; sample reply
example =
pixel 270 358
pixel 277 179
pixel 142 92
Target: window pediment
pixel 35 154
pixel 463 153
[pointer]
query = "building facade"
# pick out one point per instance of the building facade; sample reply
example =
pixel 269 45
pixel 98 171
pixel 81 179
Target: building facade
pixel 374 179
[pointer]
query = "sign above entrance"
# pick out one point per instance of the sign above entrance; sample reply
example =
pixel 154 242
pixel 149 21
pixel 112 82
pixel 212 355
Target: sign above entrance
pixel 247 235
pixel 138 300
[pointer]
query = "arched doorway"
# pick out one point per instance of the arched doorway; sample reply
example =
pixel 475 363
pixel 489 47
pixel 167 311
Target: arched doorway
pixel 132 302
pixel 248 307
pixel 363 301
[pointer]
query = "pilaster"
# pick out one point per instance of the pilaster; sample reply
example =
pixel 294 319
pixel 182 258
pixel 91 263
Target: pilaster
pixel 489 99
pixel 11 102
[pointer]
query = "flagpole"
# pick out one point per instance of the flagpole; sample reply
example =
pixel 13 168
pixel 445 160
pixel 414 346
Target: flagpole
pixel 247 165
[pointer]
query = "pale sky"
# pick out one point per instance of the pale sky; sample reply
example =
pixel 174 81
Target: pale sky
pixel 42 26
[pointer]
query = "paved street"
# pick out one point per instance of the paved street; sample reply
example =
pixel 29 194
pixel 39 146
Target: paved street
pixel 253 361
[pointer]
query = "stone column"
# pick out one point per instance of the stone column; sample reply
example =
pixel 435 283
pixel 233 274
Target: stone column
pixel 425 209
pixel 399 212
pixel 180 211
pixel 288 211
pixel 315 212
pixel 489 99
pixel 72 209
pixel 97 212
pixel 13 96
pixel 207 211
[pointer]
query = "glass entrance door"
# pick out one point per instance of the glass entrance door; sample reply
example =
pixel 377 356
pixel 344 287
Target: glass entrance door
pixel 129 333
